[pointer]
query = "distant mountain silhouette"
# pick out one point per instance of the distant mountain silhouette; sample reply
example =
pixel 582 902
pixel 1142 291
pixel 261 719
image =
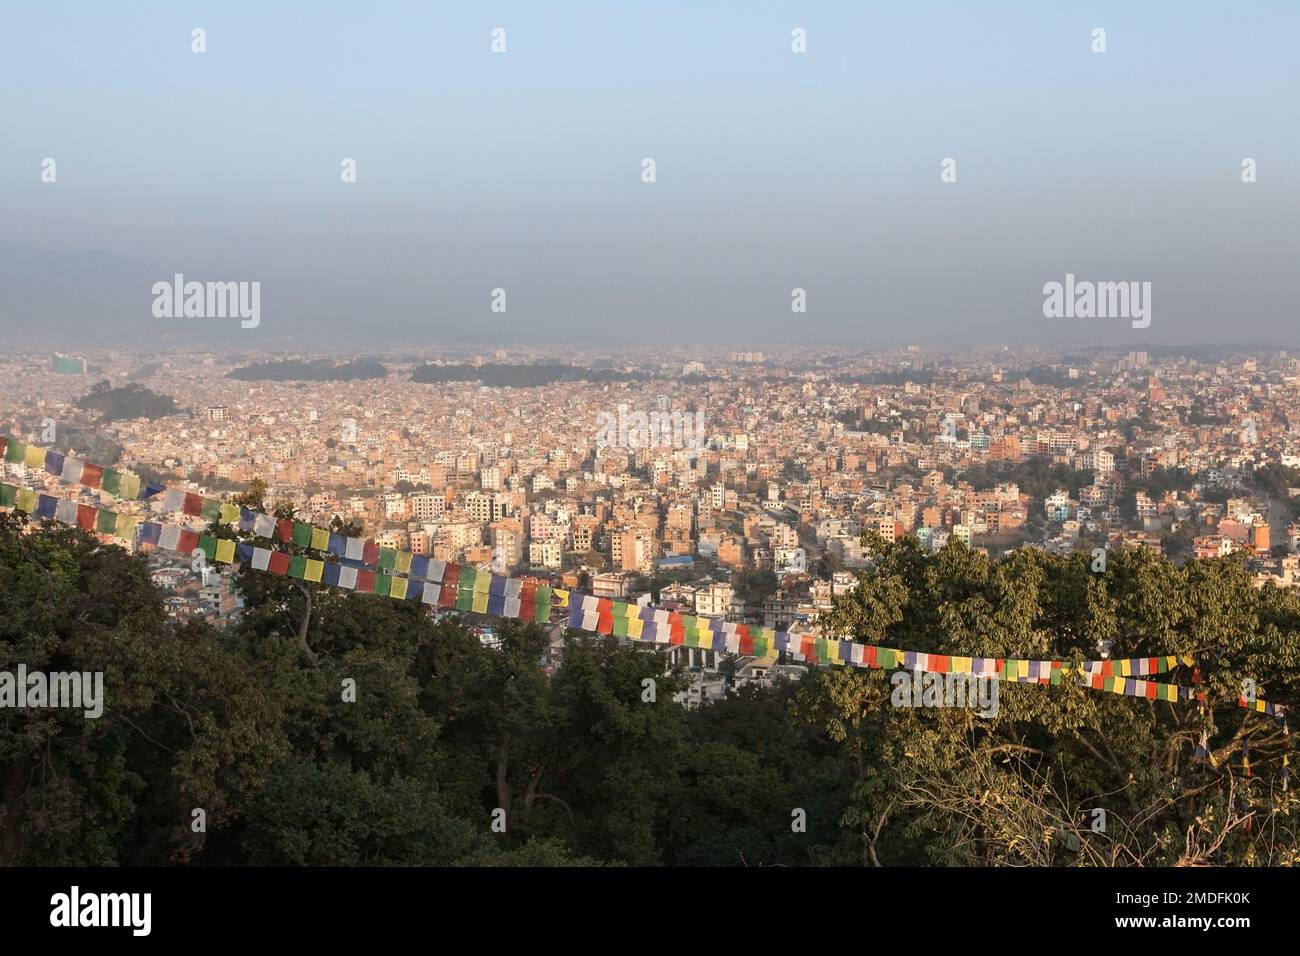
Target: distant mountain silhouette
pixel 322 370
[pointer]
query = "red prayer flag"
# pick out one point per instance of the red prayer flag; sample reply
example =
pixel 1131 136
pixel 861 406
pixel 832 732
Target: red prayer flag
pixel 676 631
pixel 86 517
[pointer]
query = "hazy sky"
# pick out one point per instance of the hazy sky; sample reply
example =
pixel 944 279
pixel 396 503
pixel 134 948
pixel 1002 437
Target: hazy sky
pixel 522 170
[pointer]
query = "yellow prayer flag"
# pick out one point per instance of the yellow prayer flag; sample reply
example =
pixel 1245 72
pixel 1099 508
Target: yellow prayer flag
pixel 225 551
pixel 125 528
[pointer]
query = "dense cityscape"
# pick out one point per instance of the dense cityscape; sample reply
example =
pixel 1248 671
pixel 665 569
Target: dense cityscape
pixel 759 517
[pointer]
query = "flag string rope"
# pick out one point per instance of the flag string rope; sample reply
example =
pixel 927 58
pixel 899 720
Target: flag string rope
pixel 361 553
pixel 464 588
pixel 121 484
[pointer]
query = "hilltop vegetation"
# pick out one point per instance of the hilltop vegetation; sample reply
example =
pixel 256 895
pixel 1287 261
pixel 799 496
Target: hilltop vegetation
pixel 129 401
pixel 249 723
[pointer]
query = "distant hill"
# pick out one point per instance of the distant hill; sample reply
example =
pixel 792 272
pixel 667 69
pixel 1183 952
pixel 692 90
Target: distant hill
pixel 129 401
pixel 517 376
pixel 144 372
pixel 321 370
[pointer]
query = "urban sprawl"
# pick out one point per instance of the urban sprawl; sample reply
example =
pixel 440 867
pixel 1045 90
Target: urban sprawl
pixel 791 456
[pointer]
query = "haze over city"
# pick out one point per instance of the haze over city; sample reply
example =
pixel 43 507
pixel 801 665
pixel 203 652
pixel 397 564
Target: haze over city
pixel 522 170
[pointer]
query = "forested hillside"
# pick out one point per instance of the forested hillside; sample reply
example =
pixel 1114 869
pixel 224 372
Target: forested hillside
pixel 251 725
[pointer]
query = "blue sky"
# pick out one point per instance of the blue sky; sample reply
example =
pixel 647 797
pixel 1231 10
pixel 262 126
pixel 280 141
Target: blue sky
pixel 774 170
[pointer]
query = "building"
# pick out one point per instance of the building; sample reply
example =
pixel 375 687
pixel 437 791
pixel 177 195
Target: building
pixel 714 600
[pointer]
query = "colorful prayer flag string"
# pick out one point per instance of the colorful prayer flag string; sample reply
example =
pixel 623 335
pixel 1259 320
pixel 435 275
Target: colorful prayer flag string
pixel 468 589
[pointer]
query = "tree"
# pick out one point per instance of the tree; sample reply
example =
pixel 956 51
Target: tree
pixel 184 723
pixel 928 777
pixel 402 736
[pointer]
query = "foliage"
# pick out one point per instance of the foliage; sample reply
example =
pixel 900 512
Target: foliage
pixel 593 762
pixel 129 401
pixel 945 786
